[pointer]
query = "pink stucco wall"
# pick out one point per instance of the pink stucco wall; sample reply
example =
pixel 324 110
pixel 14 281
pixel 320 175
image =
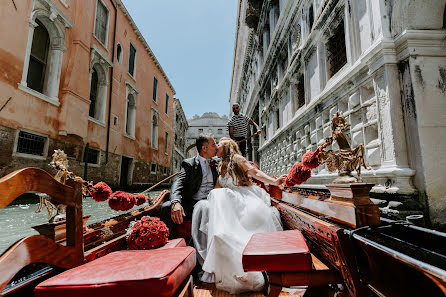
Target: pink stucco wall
pixel 25 111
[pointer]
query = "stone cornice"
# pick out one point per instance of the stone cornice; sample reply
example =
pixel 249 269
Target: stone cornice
pixel 144 42
pixel 55 12
pixel 96 51
pixel 131 87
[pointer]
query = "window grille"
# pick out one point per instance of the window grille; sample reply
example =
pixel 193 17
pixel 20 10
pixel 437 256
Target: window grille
pixel 31 144
pixel 155 89
pixel 336 50
pixel 92 156
pixel 38 58
pixel 100 30
pixel 132 55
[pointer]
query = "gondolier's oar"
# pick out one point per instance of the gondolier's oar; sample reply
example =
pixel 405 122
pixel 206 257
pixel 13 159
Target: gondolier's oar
pixel 247 138
pixel 157 184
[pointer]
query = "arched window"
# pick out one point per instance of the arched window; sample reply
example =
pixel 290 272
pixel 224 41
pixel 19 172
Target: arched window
pixel 99 68
pixel 93 93
pixel 38 58
pixel 119 53
pixel 155 130
pixel 44 52
pixel 130 116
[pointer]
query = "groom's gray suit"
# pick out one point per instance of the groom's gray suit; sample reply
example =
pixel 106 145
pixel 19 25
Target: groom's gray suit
pixel 185 186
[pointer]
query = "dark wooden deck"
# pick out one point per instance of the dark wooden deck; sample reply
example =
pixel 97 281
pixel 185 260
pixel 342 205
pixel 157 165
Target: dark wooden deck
pixel 209 290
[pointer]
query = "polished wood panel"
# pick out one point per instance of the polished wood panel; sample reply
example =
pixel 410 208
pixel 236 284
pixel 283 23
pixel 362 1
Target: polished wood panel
pixel 33 179
pixel 326 240
pixel 349 204
pixel 39 248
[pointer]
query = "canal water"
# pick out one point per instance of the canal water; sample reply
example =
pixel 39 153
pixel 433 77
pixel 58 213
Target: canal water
pixel 16 220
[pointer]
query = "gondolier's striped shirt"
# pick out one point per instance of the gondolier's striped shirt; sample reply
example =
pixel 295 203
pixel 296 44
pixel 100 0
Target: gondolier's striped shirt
pixel 240 123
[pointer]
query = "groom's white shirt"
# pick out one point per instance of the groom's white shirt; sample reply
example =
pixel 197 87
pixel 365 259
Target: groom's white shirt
pixel 207 182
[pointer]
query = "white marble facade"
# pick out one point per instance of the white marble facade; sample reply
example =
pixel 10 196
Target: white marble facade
pixel 381 63
pixel 180 127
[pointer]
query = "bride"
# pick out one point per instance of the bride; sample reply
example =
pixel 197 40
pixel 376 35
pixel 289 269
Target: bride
pixel 223 224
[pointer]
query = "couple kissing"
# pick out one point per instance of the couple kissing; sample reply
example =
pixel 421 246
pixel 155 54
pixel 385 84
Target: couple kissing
pixel 226 208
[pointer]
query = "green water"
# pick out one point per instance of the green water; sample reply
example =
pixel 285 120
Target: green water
pixel 16 220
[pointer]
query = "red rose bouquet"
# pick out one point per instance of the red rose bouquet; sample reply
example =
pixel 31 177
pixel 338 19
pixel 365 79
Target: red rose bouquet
pixel 148 233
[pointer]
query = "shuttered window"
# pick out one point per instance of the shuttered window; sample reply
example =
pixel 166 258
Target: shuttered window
pixel 38 58
pixel 101 22
pixel 132 55
pixel 93 93
pixel 155 89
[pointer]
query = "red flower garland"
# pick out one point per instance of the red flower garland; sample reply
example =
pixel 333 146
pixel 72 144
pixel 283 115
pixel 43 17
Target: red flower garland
pixel 297 175
pixel 102 192
pixel 140 199
pixel 310 160
pixel 121 200
pixel 149 233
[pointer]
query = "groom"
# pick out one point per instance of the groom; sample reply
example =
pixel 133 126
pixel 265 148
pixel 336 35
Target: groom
pixel 196 179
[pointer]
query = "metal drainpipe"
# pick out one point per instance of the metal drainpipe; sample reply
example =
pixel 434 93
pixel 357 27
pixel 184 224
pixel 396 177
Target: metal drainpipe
pixel 111 85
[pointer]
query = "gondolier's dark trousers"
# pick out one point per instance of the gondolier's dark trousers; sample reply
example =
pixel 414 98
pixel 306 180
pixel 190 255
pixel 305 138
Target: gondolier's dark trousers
pixel 242 145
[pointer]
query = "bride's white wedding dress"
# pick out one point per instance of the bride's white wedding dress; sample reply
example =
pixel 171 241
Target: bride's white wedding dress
pixel 222 226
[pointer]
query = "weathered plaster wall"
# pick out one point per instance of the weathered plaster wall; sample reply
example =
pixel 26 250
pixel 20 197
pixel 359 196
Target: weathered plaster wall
pixel 64 120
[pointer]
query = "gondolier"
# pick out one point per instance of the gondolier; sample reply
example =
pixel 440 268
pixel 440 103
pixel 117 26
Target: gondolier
pixel 238 127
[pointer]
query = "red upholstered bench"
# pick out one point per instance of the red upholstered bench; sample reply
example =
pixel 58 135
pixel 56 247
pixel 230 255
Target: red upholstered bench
pixel 285 260
pixel 173 243
pixel 184 230
pixel 120 243
pixel 160 272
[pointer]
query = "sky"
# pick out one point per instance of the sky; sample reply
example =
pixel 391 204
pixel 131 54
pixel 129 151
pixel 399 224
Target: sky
pixel 194 43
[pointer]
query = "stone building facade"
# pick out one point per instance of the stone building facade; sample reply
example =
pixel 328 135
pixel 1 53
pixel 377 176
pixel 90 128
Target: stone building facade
pixel 381 63
pixel 77 73
pixel 180 127
pixel 210 123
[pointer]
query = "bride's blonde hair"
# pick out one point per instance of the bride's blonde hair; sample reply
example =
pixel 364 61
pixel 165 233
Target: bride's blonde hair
pixel 230 162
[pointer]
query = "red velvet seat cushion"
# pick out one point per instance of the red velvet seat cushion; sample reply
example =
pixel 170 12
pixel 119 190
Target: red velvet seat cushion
pixel 277 251
pixel 173 243
pixel 124 273
pixel 184 230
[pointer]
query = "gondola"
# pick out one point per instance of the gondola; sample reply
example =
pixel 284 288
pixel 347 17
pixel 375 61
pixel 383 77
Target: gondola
pixel 368 258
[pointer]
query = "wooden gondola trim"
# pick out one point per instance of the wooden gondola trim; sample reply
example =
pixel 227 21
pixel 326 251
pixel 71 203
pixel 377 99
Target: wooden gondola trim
pixel 33 180
pixel 38 248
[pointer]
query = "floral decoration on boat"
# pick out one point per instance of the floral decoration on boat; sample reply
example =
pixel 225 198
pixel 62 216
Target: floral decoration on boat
pixel 148 233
